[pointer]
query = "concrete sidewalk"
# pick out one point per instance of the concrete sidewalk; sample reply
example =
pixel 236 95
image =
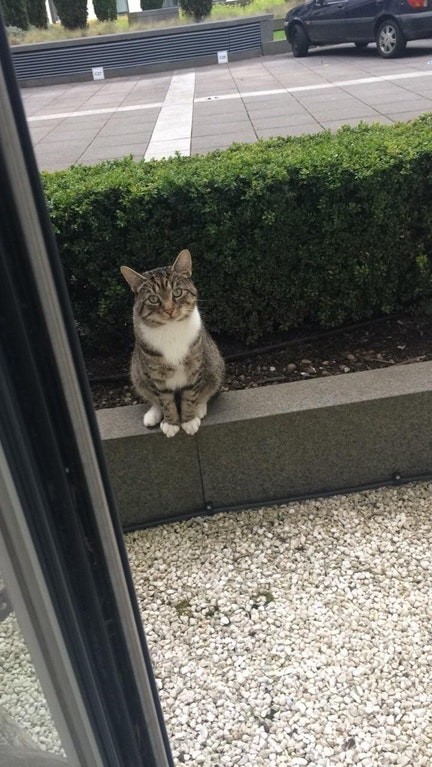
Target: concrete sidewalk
pixel 197 111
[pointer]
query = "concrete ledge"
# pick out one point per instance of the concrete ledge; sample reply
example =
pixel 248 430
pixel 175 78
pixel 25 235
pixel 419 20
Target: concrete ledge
pixel 140 52
pixel 274 443
pixel 274 47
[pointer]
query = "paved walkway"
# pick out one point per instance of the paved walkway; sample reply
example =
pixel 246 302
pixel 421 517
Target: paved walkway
pixel 196 111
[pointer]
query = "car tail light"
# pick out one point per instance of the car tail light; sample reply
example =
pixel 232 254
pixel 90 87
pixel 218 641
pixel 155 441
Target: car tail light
pixel 418 3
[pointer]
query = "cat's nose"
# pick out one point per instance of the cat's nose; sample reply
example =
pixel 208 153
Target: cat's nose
pixel 169 310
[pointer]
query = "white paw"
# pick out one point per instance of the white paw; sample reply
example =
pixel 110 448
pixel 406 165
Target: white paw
pixel 153 416
pixel 169 429
pixel 192 426
pixel 202 409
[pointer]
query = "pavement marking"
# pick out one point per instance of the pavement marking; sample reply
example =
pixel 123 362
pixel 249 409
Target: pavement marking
pixel 173 129
pixel 176 100
pixel 84 113
pixel 316 87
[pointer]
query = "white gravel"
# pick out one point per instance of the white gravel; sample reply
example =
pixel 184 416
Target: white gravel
pixel 281 637
pixel 21 695
pixel 298 635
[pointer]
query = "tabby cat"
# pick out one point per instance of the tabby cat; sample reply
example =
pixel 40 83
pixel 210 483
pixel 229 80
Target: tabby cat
pixel 175 366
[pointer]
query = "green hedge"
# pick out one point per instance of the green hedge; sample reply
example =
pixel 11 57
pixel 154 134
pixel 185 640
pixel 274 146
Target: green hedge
pixel 323 229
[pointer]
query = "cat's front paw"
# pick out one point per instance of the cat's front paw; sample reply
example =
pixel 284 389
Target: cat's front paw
pixel 169 429
pixel 152 417
pixel 192 426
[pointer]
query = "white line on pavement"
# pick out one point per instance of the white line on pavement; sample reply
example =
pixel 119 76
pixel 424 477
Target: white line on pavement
pixel 173 129
pixel 316 87
pixel 177 102
pixel 83 113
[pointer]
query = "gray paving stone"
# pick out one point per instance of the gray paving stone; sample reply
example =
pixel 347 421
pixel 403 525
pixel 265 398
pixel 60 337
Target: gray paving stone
pixel 59 148
pixel 212 128
pixel 290 130
pixel 131 142
pixel 335 124
pixel 411 114
pixel 99 153
pixel 40 132
pixel 86 121
pixel 207 143
pixel 229 119
pixel 322 96
pixel 414 106
pixel 289 110
pixel 343 111
pixel 263 123
pixel 46 123
pixel 66 135
pixel 219 108
pixel 128 121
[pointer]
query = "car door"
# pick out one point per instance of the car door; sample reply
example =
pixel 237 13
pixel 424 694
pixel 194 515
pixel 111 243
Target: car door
pixel 360 16
pixel 326 22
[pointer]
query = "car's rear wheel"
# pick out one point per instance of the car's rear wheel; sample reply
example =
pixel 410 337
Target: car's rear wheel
pixel 299 41
pixel 390 40
pixel 361 45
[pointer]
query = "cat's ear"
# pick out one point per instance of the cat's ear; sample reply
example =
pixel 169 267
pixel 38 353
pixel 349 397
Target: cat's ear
pixel 183 263
pixel 134 279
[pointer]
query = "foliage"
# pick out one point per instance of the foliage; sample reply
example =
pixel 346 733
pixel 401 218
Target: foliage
pixel 37 13
pixel 322 229
pixel 150 5
pixel 72 13
pixel 15 13
pixel 198 9
pixel 15 35
pixel 219 12
pixel 105 10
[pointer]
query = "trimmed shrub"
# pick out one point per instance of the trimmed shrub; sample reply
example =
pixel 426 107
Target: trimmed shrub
pixel 105 10
pixel 151 5
pixel 15 35
pixel 198 9
pixel 37 13
pixel 15 13
pixel 319 229
pixel 72 13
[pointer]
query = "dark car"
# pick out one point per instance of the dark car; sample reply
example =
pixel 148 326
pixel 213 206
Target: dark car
pixel 390 23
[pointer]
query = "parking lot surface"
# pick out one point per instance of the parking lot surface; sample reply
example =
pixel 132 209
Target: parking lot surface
pixel 198 110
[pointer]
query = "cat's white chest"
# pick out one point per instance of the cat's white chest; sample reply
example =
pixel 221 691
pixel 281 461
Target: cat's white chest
pixel 178 379
pixel 173 341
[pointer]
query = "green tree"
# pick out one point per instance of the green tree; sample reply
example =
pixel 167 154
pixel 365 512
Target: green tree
pixel 72 13
pixel 105 10
pixel 15 13
pixel 37 14
pixel 198 9
pixel 150 5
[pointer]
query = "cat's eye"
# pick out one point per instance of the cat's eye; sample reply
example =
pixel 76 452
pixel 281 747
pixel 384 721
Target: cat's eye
pixel 153 300
pixel 177 292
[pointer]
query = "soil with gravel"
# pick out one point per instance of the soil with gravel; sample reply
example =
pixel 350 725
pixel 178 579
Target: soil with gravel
pixel 384 343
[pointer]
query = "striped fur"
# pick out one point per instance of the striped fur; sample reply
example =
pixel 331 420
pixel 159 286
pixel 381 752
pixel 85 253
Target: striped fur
pixel 176 366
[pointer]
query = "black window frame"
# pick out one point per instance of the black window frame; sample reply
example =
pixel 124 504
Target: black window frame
pixel 61 545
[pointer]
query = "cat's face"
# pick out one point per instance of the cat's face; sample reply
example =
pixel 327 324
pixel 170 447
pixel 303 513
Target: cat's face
pixel 163 295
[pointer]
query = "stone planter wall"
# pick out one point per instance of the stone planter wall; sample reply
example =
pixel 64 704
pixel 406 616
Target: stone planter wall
pixel 275 443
